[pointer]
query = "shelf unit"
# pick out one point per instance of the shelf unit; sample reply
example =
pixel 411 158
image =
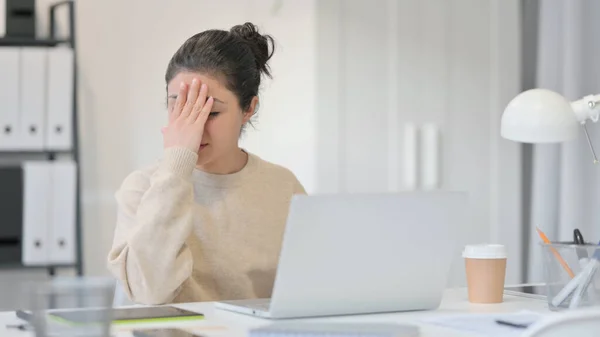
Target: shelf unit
pixel 50 155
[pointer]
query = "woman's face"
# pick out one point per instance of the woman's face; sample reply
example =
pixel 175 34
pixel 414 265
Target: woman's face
pixel 222 128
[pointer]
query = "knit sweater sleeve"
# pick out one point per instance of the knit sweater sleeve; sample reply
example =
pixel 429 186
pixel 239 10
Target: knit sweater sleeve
pixel 149 255
pixel 298 187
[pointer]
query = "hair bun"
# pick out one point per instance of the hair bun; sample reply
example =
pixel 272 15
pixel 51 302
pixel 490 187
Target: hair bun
pixel 258 43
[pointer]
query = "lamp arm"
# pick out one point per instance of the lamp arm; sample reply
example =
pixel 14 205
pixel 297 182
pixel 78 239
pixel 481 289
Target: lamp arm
pixel 587 108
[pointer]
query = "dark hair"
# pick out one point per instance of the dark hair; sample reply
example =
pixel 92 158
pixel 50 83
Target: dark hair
pixel 238 56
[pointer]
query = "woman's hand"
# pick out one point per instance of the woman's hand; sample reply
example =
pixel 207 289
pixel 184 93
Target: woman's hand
pixel 188 116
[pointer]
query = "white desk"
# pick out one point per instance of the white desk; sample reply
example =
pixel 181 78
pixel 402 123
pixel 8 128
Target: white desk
pixel 224 323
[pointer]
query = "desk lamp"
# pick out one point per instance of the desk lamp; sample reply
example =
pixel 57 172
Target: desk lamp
pixel 544 116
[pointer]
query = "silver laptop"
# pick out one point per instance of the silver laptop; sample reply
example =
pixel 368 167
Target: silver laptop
pixel 362 253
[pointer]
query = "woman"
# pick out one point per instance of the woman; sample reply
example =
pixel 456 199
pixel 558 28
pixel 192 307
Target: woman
pixel 206 222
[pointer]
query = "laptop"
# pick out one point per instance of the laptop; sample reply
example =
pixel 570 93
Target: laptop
pixel 346 254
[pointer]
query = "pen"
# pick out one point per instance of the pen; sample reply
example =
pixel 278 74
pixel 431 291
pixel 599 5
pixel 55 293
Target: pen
pixel 24 315
pixel 588 274
pixel 581 252
pixel 22 327
pixel 568 289
pixel 582 255
pixel 556 253
pixel 511 324
pixel 578 237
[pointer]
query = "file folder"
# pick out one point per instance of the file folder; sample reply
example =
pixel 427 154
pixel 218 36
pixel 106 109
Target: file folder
pixel 62 218
pixel 36 211
pixel 11 205
pixel 60 99
pixel 32 98
pixel 2 17
pixel 9 98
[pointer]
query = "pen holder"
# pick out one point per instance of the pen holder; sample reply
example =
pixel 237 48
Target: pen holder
pixel 572 275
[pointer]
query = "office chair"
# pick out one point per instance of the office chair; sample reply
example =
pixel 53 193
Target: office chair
pixel 580 323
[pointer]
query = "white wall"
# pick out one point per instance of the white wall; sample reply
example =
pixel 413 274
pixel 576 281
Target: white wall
pixel 450 63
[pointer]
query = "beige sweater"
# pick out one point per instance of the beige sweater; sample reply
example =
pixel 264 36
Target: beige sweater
pixel 184 235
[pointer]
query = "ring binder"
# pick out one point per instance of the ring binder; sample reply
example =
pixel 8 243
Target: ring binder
pixel 38 118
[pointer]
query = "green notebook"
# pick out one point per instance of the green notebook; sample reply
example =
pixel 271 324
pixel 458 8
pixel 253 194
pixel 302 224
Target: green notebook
pixel 129 315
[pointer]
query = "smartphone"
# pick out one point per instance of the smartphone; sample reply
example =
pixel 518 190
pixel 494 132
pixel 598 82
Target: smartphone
pixel 167 332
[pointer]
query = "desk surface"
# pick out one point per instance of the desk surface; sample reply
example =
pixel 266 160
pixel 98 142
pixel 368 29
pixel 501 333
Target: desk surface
pixel 223 323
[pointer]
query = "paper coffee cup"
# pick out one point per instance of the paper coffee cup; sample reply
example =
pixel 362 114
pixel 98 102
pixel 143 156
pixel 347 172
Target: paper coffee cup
pixel 486 269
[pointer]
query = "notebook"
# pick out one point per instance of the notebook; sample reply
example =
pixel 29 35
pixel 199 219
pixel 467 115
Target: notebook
pixel 299 329
pixel 129 315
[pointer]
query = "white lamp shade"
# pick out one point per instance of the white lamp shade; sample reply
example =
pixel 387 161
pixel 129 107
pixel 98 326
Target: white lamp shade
pixel 539 116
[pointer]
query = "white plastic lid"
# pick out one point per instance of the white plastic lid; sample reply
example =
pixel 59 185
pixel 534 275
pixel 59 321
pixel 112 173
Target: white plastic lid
pixel 484 251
